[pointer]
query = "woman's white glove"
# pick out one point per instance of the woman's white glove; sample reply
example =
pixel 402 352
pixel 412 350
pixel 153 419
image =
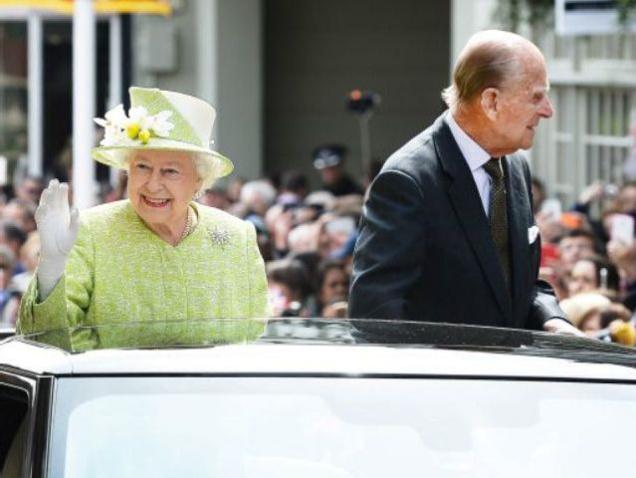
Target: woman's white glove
pixel 57 227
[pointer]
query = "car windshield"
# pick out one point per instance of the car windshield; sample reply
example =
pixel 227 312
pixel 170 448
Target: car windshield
pixel 339 427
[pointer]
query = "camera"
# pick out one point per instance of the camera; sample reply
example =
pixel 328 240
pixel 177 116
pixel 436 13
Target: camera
pixel 361 102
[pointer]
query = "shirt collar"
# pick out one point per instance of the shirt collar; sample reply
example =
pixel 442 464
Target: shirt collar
pixel 474 154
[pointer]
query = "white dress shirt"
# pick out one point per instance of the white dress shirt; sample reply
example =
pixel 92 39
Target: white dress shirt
pixel 475 157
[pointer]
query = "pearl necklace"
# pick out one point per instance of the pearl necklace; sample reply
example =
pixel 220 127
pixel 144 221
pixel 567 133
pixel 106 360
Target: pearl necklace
pixel 191 222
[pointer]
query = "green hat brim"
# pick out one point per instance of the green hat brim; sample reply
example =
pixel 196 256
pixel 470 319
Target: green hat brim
pixel 115 156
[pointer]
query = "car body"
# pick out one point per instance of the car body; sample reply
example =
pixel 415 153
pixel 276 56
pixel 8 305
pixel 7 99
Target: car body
pixel 6 332
pixel 323 398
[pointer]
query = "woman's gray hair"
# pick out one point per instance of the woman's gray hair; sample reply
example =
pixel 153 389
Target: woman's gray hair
pixel 489 59
pixel 207 172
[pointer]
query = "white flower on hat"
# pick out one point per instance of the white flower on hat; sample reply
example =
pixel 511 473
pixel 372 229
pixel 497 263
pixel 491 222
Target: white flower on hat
pixel 111 122
pixel 161 126
pixel 138 126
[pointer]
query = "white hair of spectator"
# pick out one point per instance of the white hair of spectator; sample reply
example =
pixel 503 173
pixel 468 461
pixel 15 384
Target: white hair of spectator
pixel 303 238
pixel 321 198
pixel 258 193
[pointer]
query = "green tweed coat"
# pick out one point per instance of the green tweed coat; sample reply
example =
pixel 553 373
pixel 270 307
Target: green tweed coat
pixel 121 274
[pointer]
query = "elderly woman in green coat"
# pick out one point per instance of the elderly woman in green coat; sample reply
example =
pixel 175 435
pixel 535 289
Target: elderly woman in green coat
pixel 151 269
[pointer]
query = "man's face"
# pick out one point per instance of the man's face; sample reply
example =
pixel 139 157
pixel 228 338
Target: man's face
pixel 574 248
pixel 331 174
pixel 583 278
pixel 523 102
pixel 30 191
pixel 334 287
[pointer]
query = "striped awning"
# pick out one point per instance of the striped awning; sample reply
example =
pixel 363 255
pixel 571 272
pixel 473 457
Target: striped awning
pixel 152 7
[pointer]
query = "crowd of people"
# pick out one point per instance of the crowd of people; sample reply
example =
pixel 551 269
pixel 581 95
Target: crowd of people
pixel 19 244
pixel 589 257
pixel 306 238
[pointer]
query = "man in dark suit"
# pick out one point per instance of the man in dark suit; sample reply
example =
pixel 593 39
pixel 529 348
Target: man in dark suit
pixel 447 232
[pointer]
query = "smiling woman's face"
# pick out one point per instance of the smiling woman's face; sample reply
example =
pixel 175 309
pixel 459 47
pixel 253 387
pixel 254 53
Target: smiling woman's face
pixel 161 184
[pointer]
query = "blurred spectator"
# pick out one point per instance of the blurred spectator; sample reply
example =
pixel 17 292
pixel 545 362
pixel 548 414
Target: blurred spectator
pixel 321 200
pixel 626 200
pixel 550 228
pixel 255 198
pixel 332 290
pixel 328 160
pixel 216 197
pixel 594 273
pixel 22 213
pixel 310 260
pixel 29 189
pixel 538 194
pixel 575 245
pixel 607 217
pixel 624 256
pixel 304 238
pixel 13 237
pixel 7 264
pixel 590 194
pixel 594 313
pixel 234 189
pixel 585 311
pixel 335 233
pixel 293 188
pixel 289 288
pixel 29 255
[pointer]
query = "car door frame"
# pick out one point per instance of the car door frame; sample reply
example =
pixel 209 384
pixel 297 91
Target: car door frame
pixel 39 392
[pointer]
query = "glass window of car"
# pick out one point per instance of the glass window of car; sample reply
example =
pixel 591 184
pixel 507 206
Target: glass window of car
pixel 339 427
pixel 13 412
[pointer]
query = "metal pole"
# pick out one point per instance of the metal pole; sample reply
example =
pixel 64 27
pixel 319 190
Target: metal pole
pixel 36 94
pixel 115 96
pixel 83 103
pixel 207 32
pixel 365 142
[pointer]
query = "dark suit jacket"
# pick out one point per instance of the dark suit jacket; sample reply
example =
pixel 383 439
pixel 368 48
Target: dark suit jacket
pixel 425 251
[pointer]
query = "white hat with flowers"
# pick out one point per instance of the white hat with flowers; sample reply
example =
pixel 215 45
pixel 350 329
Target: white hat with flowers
pixel 160 120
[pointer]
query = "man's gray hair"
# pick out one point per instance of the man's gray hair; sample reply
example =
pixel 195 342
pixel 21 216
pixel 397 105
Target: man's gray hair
pixel 489 59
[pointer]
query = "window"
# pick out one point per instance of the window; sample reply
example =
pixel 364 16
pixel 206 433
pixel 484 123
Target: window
pixel 13 413
pixel 321 427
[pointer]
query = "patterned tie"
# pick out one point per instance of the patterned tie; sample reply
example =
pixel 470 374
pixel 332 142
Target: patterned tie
pixel 498 214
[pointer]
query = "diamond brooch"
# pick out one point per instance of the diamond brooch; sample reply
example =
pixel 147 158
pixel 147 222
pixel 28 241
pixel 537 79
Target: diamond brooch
pixel 219 237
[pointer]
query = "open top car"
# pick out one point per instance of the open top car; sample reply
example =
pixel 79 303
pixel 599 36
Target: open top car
pixel 323 398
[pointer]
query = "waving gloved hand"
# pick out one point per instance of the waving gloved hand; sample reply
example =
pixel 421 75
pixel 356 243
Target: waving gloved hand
pixel 57 225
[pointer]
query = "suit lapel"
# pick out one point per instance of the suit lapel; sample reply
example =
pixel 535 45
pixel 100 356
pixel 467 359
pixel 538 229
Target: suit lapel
pixel 468 208
pixel 518 206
